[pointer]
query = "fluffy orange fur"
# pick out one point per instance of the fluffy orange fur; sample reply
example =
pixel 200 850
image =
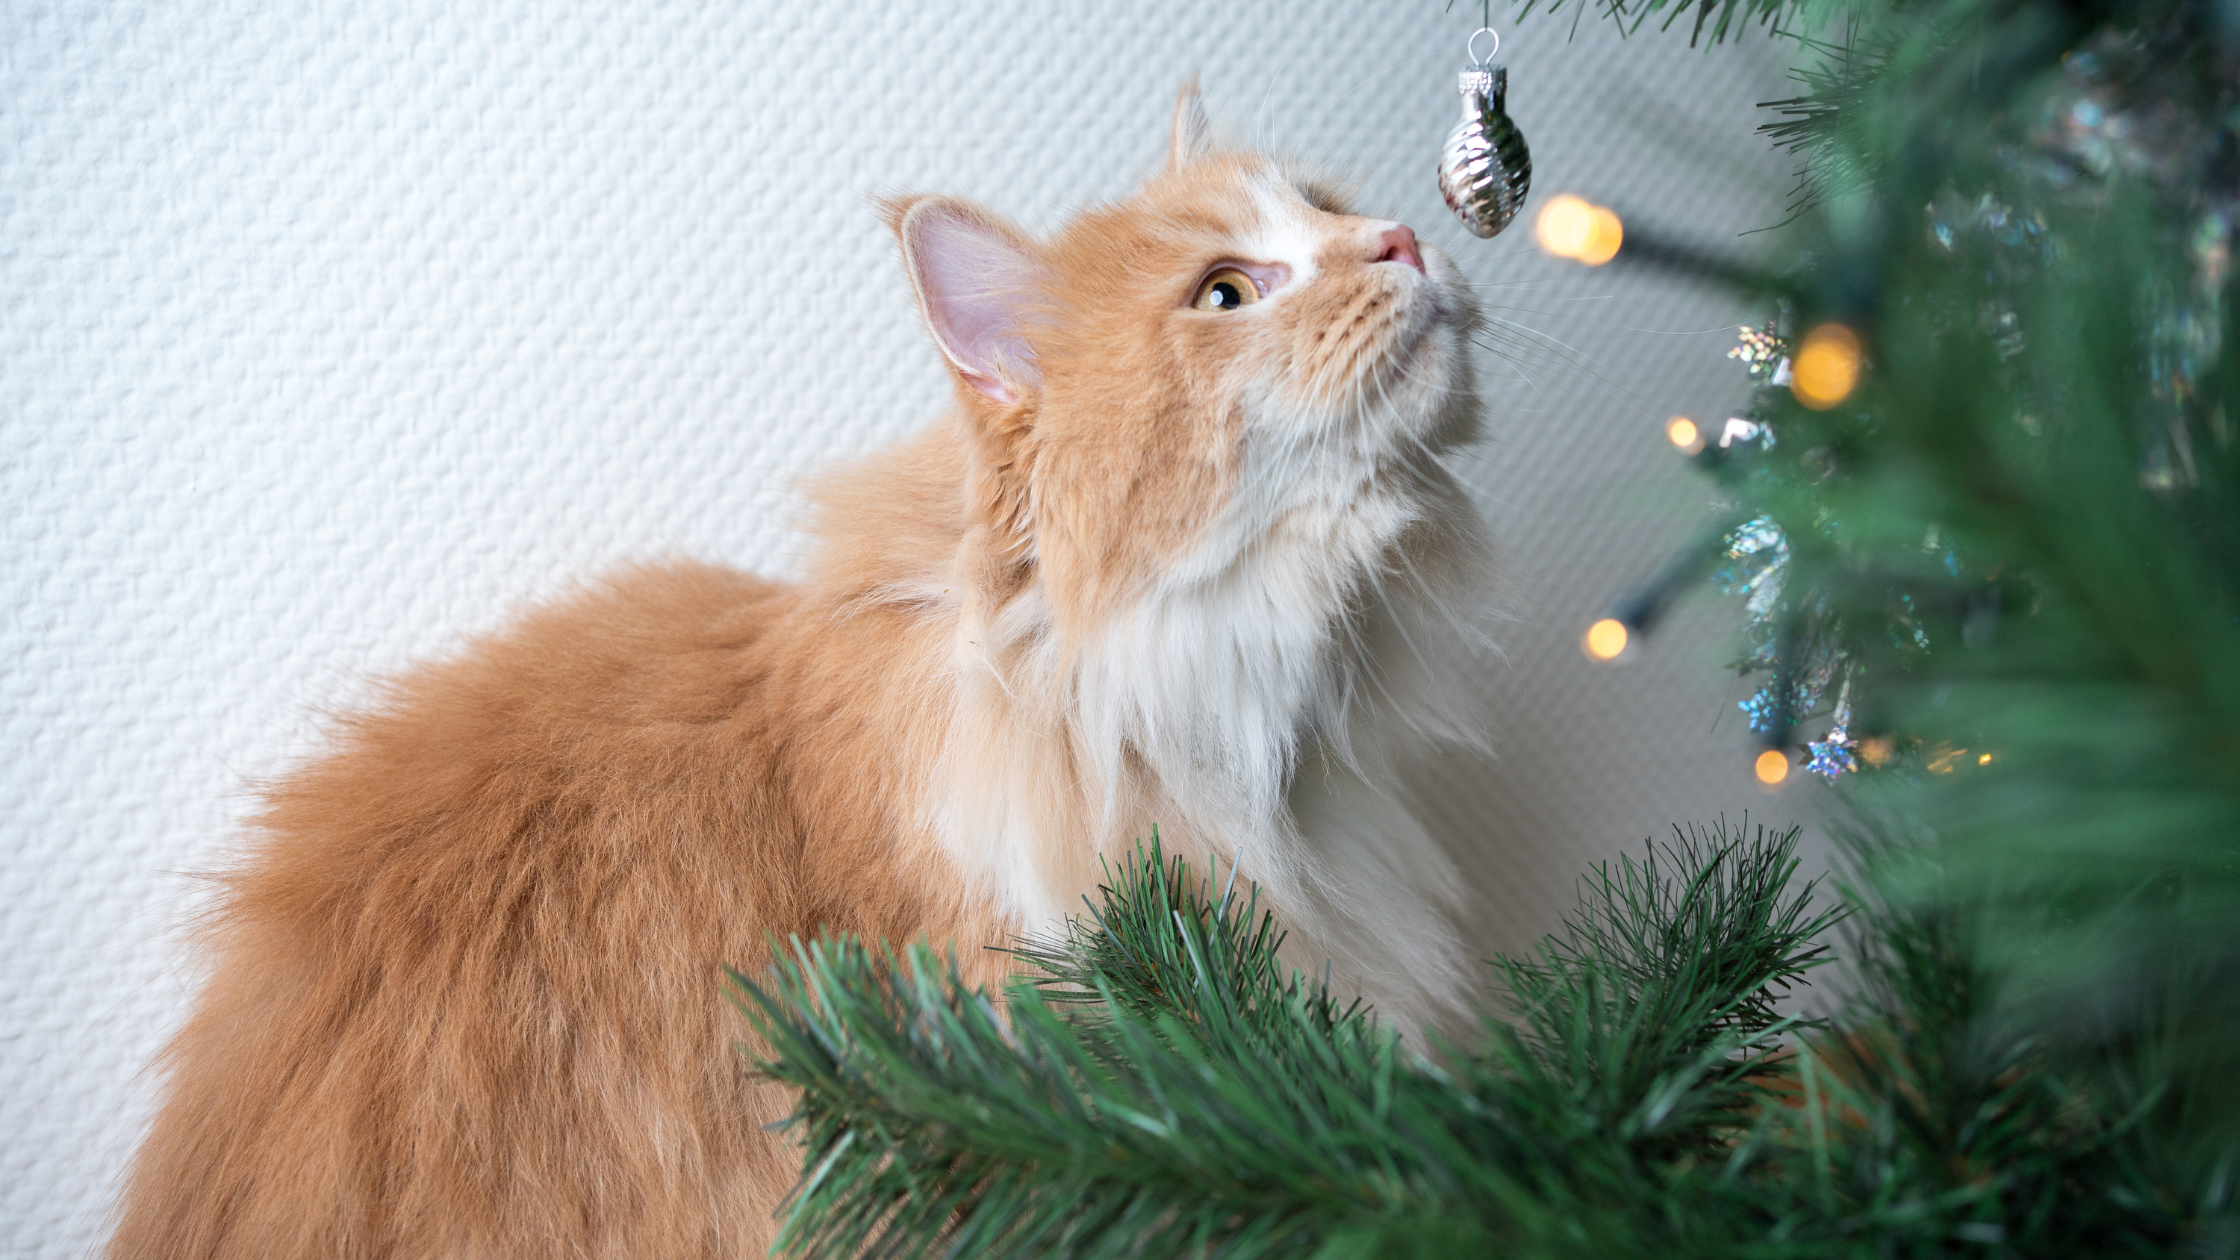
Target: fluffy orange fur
pixel 466 997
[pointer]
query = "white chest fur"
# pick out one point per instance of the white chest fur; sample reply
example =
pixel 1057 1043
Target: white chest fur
pixel 1255 711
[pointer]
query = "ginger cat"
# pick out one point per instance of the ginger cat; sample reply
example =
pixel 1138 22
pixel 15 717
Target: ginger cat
pixel 1174 556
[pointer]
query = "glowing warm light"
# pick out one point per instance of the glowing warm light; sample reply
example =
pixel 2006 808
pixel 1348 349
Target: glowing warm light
pixel 1878 750
pixel 1603 239
pixel 1606 638
pixel 1772 766
pixel 1563 225
pixel 1984 760
pixel 1572 227
pixel 1684 434
pixel 1825 369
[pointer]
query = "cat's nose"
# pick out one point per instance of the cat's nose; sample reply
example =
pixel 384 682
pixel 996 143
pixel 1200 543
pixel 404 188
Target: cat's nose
pixel 1398 244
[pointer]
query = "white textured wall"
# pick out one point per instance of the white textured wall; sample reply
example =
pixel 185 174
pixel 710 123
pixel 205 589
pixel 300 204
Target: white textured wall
pixel 329 332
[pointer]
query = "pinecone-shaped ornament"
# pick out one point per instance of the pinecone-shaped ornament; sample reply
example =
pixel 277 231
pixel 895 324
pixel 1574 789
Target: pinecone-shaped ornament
pixel 1485 170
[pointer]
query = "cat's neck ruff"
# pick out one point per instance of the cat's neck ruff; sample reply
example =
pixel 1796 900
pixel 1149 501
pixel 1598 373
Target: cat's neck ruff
pixel 1254 705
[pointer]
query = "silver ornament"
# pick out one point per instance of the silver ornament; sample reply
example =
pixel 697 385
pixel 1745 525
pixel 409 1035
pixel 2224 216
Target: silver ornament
pixel 1485 168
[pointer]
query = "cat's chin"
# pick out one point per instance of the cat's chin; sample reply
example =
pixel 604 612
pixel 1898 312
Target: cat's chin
pixel 1439 312
pixel 1430 358
pixel 1417 380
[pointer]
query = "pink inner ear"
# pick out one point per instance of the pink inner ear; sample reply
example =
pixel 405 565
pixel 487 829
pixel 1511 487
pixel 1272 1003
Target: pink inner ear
pixel 977 286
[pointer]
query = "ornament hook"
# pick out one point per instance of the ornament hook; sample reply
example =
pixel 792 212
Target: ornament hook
pixel 1471 47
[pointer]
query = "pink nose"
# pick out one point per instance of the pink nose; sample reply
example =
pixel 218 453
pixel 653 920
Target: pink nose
pixel 1398 244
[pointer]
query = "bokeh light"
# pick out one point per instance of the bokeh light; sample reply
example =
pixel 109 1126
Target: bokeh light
pixel 1603 238
pixel 1563 225
pixel 1575 228
pixel 1825 368
pixel 1772 766
pixel 1683 433
pixel 1606 638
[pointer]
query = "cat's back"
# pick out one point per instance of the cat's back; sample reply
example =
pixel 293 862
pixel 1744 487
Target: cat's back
pixel 467 992
pixel 536 747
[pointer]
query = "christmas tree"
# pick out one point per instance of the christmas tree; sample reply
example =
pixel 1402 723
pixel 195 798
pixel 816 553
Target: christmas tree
pixel 1985 521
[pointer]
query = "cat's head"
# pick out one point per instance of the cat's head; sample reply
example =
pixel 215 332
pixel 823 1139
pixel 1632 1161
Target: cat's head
pixel 1227 361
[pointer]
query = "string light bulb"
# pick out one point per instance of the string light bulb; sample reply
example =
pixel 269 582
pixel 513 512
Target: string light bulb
pixel 1575 228
pixel 1603 240
pixel 1563 225
pixel 1772 767
pixel 1683 433
pixel 1606 639
pixel 1825 368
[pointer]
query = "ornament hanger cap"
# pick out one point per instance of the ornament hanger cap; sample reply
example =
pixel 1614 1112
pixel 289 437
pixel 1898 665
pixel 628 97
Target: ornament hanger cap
pixel 1490 82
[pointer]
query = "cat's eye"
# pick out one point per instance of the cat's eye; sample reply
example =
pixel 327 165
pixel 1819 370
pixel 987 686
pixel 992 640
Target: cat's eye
pixel 1225 290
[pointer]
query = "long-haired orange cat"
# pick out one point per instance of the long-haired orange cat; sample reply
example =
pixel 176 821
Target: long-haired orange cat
pixel 1178 555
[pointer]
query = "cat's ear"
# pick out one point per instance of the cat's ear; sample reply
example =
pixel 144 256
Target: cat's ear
pixel 1193 134
pixel 980 285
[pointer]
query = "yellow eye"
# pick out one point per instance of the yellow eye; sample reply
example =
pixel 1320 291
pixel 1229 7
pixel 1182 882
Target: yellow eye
pixel 1225 290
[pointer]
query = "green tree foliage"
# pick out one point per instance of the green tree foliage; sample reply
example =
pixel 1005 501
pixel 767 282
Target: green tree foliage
pixel 1164 1086
pixel 1160 1085
pixel 2018 539
pixel 2020 535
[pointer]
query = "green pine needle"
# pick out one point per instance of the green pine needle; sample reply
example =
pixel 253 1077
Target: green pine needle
pixel 1167 1086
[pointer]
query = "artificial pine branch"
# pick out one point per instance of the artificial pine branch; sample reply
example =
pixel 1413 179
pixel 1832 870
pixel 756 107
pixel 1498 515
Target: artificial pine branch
pixel 1643 1095
pixel 1206 1100
pixel 1124 953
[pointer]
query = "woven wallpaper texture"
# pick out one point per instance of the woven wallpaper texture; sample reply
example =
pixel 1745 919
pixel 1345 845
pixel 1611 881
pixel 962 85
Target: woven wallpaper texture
pixel 330 333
